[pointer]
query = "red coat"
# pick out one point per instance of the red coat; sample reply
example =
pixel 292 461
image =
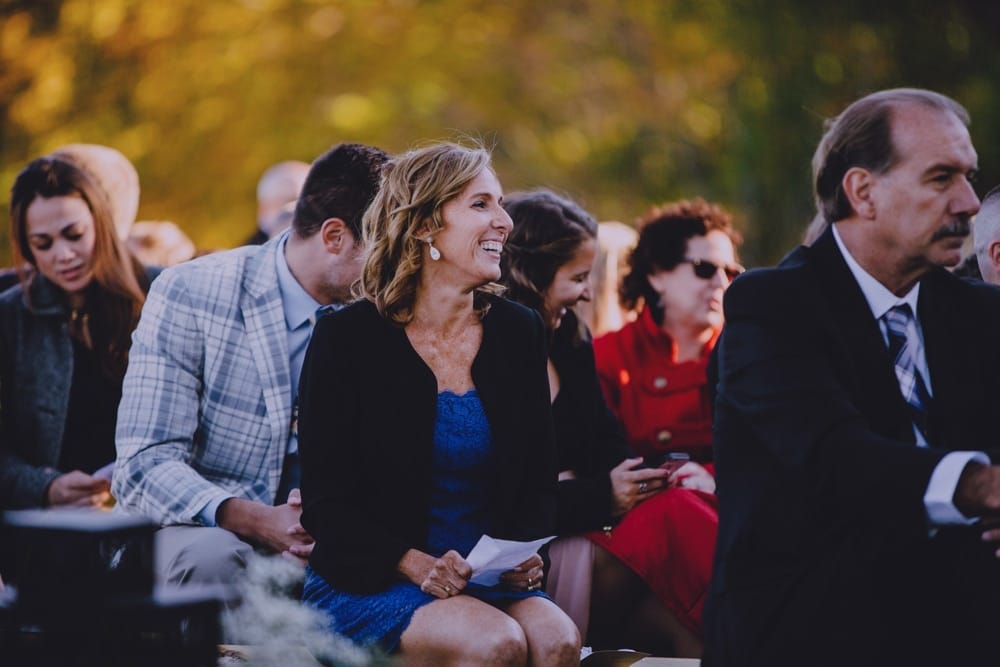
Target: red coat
pixel 669 539
pixel 663 406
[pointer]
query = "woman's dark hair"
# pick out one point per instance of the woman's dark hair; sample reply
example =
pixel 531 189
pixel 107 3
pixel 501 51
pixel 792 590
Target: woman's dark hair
pixel 548 229
pixel 114 298
pixel 663 236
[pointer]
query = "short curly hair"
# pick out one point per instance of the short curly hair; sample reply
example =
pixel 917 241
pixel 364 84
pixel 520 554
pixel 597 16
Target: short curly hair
pixel 415 187
pixel 663 235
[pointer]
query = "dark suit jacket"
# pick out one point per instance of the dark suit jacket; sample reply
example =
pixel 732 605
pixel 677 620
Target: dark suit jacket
pixel 823 539
pixel 366 425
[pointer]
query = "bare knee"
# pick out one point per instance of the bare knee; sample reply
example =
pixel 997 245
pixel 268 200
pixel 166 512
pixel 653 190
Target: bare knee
pixel 502 645
pixel 559 645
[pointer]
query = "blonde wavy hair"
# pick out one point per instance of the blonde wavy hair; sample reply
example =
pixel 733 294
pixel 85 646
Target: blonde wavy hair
pixel 415 186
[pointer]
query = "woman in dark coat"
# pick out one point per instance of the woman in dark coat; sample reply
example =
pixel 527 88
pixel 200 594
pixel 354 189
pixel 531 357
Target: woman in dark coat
pixel 424 424
pixel 65 332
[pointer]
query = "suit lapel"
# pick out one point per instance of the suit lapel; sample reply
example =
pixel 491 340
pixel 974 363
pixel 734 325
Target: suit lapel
pixel 267 337
pixel 942 322
pixel 874 378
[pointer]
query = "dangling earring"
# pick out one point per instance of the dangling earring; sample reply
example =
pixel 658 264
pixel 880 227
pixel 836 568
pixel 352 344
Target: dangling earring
pixel 435 253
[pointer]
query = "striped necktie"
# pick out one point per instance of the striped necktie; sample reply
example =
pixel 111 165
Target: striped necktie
pixel 904 348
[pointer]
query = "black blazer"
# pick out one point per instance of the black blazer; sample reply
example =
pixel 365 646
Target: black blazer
pixel 589 439
pixel 822 522
pixel 366 424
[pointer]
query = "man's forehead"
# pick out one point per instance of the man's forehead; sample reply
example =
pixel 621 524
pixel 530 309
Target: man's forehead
pixel 932 136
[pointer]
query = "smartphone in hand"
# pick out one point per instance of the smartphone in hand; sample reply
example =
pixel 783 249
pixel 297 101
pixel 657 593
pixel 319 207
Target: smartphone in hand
pixel 669 461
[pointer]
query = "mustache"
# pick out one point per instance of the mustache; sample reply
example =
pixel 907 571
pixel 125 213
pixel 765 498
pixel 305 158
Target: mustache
pixel 960 227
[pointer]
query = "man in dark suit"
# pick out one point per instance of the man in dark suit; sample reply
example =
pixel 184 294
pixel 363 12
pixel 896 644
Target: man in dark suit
pixel 858 384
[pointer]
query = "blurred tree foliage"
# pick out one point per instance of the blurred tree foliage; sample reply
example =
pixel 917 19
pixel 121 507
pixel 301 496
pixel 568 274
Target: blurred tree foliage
pixel 619 104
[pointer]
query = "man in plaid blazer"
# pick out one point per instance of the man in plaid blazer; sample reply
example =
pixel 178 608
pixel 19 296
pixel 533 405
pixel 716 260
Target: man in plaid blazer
pixel 206 431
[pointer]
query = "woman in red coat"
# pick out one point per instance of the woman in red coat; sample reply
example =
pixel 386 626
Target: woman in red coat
pixel 653 374
pixel 652 370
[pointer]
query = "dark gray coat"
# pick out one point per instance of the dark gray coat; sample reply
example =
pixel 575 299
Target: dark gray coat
pixel 36 370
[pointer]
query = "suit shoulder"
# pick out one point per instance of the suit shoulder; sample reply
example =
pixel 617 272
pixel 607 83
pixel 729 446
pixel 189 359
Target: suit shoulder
pixel 972 300
pixel 773 282
pixel 207 274
pixel 988 295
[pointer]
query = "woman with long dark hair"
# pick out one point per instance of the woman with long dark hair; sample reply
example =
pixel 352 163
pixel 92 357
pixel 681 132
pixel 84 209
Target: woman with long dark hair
pixel 64 338
pixel 653 537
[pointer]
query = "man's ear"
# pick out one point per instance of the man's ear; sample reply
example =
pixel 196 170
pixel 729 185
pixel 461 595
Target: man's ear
pixel 994 250
pixel 335 234
pixel 857 185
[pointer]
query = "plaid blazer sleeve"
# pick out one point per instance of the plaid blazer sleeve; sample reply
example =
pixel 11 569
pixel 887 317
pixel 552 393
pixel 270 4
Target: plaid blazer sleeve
pixel 159 414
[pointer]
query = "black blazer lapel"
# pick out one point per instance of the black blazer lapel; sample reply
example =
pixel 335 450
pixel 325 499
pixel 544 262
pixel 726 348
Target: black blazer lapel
pixel 868 366
pixel 950 336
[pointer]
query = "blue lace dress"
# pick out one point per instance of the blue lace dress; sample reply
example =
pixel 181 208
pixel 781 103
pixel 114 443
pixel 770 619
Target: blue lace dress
pixel 463 451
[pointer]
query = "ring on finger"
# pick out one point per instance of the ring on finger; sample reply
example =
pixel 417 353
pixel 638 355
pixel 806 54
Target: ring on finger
pixel 643 486
pixel 447 589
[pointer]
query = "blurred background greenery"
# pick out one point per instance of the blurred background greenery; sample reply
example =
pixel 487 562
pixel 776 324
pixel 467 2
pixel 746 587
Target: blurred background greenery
pixel 618 104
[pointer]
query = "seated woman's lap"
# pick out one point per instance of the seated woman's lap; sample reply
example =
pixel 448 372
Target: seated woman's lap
pixel 546 627
pixel 461 628
pixel 464 629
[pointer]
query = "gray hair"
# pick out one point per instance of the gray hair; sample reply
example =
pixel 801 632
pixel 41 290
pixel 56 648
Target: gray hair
pixel 985 232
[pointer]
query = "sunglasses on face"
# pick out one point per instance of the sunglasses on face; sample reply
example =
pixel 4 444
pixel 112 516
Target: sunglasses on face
pixel 706 270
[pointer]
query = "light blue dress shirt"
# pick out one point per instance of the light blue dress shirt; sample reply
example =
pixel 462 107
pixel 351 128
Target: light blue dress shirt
pixel 300 316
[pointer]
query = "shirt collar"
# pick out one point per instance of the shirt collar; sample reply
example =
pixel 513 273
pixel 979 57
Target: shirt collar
pixel 878 296
pixel 299 307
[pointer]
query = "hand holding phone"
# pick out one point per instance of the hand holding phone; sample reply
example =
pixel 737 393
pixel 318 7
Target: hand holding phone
pixel 669 461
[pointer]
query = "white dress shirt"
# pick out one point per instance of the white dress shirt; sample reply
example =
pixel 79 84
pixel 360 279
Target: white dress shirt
pixel 940 491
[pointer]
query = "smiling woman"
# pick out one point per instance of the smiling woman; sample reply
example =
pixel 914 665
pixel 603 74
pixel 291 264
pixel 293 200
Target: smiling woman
pixel 467 450
pixel 64 338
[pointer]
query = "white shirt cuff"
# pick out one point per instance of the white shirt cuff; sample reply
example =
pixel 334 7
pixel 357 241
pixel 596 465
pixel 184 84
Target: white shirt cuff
pixel 941 511
pixel 207 514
